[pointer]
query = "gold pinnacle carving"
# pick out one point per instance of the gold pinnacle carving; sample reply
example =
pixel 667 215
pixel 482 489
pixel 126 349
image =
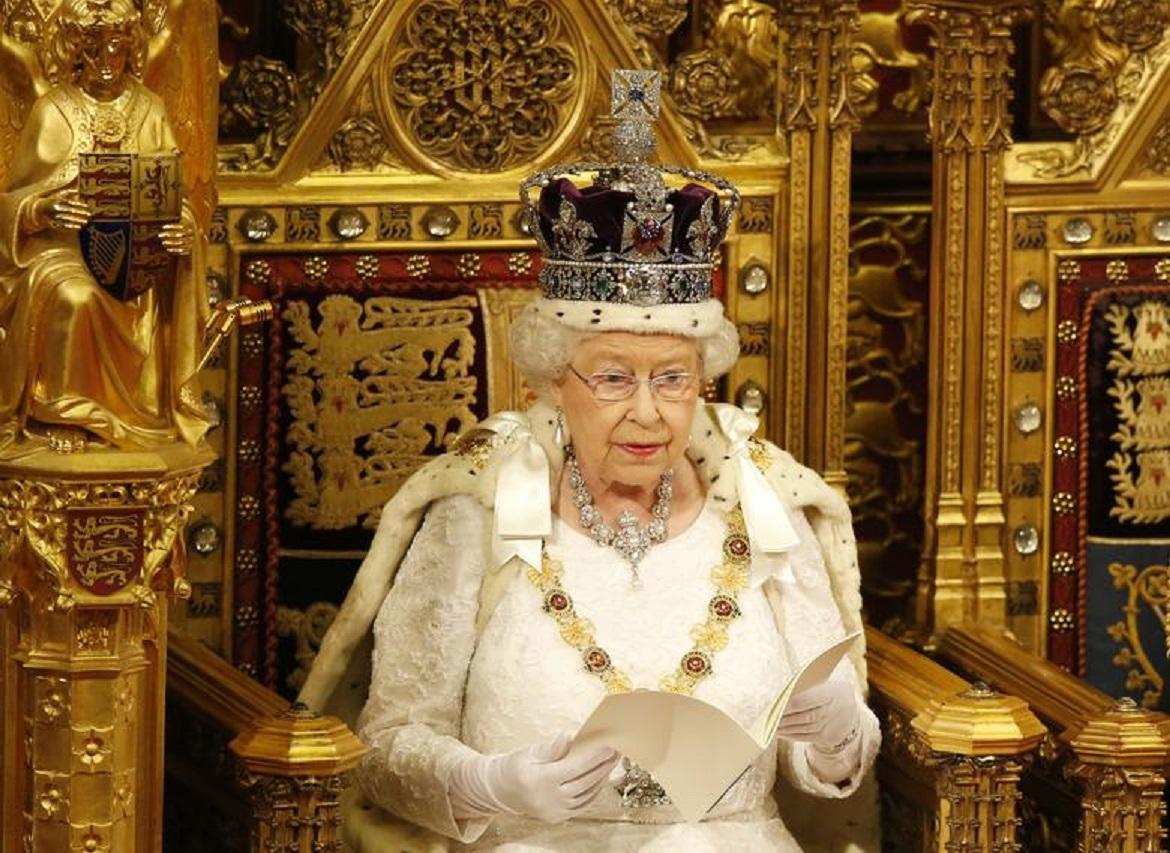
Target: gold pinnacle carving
pixel 980 742
pixel 815 84
pixel 978 722
pixel 970 132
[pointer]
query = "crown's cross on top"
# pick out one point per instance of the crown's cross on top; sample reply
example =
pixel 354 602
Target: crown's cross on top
pixel 635 103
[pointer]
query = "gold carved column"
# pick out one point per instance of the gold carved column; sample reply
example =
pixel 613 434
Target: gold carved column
pixel 962 574
pixel 295 765
pixel 90 552
pixel 979 743
pixel 818 120
pixel 1120 759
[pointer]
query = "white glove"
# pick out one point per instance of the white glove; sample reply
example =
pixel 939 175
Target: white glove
pixel 541 781
pixel 825 716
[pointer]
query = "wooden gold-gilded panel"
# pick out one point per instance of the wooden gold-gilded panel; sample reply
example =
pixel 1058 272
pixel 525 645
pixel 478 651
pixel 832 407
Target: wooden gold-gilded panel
pixel 885 404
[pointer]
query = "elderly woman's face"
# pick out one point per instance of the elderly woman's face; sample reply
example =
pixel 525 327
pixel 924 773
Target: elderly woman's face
pixel 630 441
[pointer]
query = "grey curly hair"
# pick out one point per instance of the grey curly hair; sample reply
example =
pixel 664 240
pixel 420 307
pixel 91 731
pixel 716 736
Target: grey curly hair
pixel 542 348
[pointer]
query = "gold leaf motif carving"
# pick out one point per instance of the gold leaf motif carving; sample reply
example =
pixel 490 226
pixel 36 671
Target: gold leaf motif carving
pixel 358 144
pixel 373 386
pixel 1158 150
pixel 1092 43
pixel 734 75
pixel 307 628
pixel 482 85
pixel 654 19
pixel 1151 587
pixel 94 632
pixel 1087 45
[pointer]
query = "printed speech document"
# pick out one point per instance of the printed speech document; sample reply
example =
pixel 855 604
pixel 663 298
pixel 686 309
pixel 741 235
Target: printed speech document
pixel 693 750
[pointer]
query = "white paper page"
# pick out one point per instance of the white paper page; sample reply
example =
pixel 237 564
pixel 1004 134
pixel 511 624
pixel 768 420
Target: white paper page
pixel 694 750
pixel 814 672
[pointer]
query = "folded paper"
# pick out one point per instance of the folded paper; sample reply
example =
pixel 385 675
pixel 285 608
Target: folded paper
pixel 694 750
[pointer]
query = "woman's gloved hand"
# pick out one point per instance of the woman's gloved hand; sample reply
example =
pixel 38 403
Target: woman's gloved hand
pixel 827 716
pixel 541 781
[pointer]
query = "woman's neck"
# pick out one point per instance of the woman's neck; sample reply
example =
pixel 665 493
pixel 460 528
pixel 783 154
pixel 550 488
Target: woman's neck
pixel 612 499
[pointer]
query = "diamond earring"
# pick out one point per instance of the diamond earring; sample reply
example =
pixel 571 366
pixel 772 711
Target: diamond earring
pixel 559 432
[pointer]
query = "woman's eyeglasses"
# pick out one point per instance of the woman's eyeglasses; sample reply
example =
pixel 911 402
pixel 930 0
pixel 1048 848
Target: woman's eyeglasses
pixel 611 386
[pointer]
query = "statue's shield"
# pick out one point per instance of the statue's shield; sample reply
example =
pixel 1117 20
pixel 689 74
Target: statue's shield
pixel 132 197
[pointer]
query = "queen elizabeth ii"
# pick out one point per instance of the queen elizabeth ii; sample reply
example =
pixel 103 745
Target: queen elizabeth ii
pixel 621 534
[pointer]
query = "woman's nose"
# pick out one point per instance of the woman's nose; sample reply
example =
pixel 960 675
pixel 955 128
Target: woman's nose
pixel 645 408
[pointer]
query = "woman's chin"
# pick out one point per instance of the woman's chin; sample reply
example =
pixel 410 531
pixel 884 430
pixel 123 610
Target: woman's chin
pixel 641 475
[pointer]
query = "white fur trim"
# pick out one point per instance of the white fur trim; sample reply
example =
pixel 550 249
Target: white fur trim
pixel 692 320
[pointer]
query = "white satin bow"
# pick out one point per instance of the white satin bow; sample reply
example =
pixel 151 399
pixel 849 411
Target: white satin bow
pixel 523 505
pixel 769 528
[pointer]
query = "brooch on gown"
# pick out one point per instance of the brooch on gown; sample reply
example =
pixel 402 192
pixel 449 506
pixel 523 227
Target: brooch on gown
pixel 638 789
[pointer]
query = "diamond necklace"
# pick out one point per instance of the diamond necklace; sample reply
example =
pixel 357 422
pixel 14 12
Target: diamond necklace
pixel 629 540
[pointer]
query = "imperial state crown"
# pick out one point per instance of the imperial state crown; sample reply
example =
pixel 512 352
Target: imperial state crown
pixel 630 237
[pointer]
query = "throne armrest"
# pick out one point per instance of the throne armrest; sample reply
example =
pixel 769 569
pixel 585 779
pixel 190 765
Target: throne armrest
pixel 952 752
pixel 291 762
pixel 1113 751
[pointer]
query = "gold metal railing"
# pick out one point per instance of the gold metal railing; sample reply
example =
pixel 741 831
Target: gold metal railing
pixel 263 775
pixel 1113 753
pixel 952 754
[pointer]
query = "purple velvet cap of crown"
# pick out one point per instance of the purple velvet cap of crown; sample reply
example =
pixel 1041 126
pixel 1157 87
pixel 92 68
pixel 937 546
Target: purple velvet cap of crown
pixel 605 208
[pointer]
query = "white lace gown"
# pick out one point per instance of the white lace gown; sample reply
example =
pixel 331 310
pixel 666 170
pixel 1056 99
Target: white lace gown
pixel 439 689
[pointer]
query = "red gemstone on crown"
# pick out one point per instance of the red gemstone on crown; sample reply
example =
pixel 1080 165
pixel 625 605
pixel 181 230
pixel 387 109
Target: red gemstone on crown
pixel 647 235
pixel 558 601
pixel 695 664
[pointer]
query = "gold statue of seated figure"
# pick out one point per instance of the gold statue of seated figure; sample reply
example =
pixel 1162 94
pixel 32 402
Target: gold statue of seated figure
pixel 82 361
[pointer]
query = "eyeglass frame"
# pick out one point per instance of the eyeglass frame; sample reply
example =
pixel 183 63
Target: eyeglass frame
pixel 695 381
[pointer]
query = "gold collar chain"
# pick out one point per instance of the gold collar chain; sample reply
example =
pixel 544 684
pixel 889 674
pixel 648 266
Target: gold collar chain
pixel 730 577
